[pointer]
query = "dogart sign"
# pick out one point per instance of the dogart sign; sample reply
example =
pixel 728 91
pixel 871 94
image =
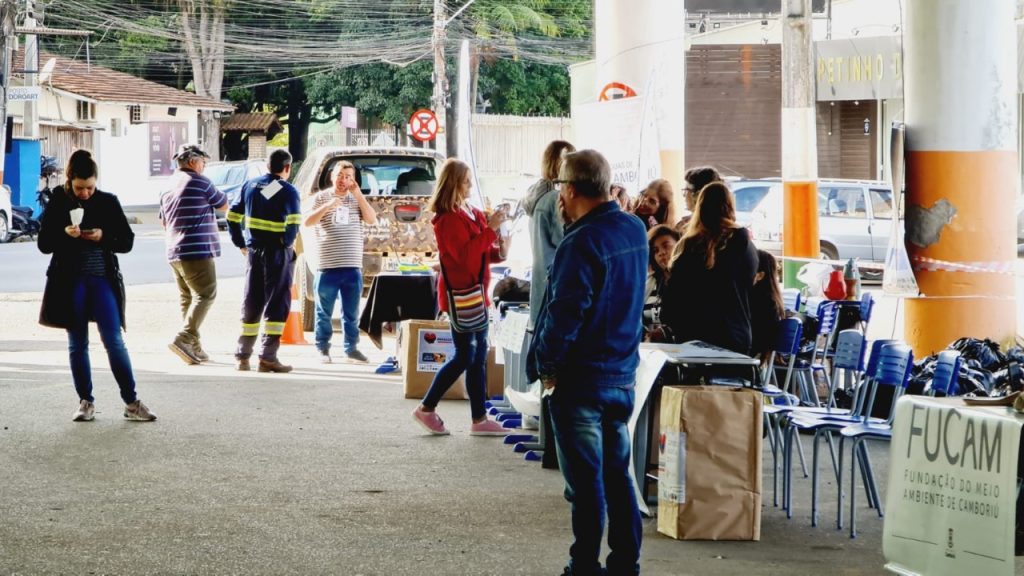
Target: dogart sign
pixel 953 485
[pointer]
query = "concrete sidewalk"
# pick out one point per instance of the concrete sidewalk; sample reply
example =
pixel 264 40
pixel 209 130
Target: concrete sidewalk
pixel 321 471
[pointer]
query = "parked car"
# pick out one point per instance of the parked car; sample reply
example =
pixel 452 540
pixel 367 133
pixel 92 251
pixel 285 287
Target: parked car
pixel 398 183
pixel 5 213
pixel 749 194
pixel 854 221
pixel 228 177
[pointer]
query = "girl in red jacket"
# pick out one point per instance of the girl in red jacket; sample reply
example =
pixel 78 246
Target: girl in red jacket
pixel 466 240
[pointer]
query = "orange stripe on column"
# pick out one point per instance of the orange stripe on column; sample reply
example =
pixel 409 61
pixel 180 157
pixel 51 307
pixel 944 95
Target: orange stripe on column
pixel 982 230
pixel 800 221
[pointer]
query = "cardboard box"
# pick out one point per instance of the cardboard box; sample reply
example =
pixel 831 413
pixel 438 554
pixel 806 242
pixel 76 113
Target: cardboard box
pixel 495 375
pixel 423 347
pixel 709 466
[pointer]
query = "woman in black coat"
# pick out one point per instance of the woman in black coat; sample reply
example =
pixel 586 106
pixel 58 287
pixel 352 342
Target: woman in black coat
pixel 83 228
pixel 708 296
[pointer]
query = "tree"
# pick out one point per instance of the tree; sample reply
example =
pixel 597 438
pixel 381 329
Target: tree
pixel 202 27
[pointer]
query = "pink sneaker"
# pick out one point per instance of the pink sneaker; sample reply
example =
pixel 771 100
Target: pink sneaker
pixel 487 428
pixel 430 420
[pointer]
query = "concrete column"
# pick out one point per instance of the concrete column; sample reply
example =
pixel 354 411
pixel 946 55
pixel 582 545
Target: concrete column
pixel 799 138
pixel 638 39
pixel 961 116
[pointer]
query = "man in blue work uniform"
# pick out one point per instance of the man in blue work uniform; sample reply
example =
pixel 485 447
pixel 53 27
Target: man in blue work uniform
pixel 585 351
pixel 263 223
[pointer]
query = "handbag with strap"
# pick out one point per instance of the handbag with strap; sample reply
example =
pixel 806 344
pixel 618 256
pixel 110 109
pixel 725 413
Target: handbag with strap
pixel 467 307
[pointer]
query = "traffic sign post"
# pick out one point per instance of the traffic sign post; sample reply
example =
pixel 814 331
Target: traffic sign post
pixel 423 125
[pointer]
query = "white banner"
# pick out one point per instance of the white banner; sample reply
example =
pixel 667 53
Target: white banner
pixel 625 135
pixel 952 495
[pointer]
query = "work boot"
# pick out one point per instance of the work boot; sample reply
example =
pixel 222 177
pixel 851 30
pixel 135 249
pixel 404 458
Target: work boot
pixel 201 354
pixel 243 365
pixel 185 351
pixel 273 366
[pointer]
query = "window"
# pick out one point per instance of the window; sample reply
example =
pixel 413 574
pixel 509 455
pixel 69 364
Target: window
pixel 135 111
pixel 748 197
pixel 842 203
pixel 86 110
pixel 881 203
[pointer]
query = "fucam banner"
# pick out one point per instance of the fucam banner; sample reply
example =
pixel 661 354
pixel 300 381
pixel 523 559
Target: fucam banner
pixel 625 132
pixel 952 489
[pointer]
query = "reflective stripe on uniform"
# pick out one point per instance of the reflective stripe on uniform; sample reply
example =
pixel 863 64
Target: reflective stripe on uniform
pixel 250 329
pixel 273 328
pixel 235 217
pixel 293 219
pixel 265 225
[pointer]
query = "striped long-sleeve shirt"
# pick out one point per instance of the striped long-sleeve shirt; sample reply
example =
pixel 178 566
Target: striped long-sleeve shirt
pixel 186 211
pixel 266 214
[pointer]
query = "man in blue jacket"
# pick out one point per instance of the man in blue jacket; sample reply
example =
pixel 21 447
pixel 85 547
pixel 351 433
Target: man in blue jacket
pixel 263 223
pixel 585 351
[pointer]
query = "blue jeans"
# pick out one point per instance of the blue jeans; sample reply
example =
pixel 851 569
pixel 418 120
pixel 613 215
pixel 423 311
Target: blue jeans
pixel 348 282
pixel 470 357
pixel 594 454
pixel 93 297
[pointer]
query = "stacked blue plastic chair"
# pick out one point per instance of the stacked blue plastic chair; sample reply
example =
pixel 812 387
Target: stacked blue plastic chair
pixel 827 422
pixel 867 306
pixel 947 371
pixel 894 366
pixel 786 347
pixel 848 364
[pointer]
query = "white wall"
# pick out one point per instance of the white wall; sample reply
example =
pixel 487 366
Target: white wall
pixel 124 160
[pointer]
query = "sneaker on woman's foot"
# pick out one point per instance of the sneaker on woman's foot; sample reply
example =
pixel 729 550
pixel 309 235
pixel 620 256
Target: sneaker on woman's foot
pixel 487 428
pixel 430 421
pixel 85 412
pixel 138 412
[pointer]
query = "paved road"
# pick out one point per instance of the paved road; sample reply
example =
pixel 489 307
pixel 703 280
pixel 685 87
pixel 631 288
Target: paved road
pixel 23 267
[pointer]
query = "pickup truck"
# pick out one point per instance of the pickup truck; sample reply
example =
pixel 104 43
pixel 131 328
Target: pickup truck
pixel 398 183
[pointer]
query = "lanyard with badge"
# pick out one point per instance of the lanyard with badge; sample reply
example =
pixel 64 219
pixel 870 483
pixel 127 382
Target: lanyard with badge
pixel 341 214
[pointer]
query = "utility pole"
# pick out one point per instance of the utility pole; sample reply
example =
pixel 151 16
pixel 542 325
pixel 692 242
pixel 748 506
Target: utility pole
pixel 7 11
pixel 440 77
pixel 799 139
pixel 31 67
pixel 961 154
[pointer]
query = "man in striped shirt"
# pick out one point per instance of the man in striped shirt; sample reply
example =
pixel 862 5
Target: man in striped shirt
pixel 337 215
pixel 193 241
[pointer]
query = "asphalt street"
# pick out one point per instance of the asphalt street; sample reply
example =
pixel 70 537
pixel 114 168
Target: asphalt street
pixel 23 266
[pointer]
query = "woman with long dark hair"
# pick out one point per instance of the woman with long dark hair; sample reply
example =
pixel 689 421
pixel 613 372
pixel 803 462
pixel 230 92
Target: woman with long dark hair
pixel 84 228
pixel 766 307
pixel 467 242
pixel 661 243
pixel 709 286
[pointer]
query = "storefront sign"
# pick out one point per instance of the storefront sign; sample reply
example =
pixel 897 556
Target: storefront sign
pixel 952 495
pixel 859 69
pixel 23 94
pixel 164 139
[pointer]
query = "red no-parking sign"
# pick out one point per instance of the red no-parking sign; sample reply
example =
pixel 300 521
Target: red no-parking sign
pixel 423 125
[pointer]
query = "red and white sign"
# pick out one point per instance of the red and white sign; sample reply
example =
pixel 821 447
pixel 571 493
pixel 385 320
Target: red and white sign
pixel 615 91
pixel 423 125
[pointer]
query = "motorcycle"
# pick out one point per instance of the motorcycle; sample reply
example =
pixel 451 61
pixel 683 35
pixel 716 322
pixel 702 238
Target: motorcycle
pixel 23 223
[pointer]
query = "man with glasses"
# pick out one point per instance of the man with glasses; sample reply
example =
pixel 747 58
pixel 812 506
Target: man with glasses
pixel 193 241
pixel 586 352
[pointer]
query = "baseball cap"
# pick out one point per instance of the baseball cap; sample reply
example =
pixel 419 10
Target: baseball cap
pixel 189 151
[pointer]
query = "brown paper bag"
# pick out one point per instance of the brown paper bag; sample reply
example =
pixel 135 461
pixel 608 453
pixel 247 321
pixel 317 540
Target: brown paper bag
pixel 709 466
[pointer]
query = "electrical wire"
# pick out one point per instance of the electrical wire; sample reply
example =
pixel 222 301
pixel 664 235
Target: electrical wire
pixel 260 48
